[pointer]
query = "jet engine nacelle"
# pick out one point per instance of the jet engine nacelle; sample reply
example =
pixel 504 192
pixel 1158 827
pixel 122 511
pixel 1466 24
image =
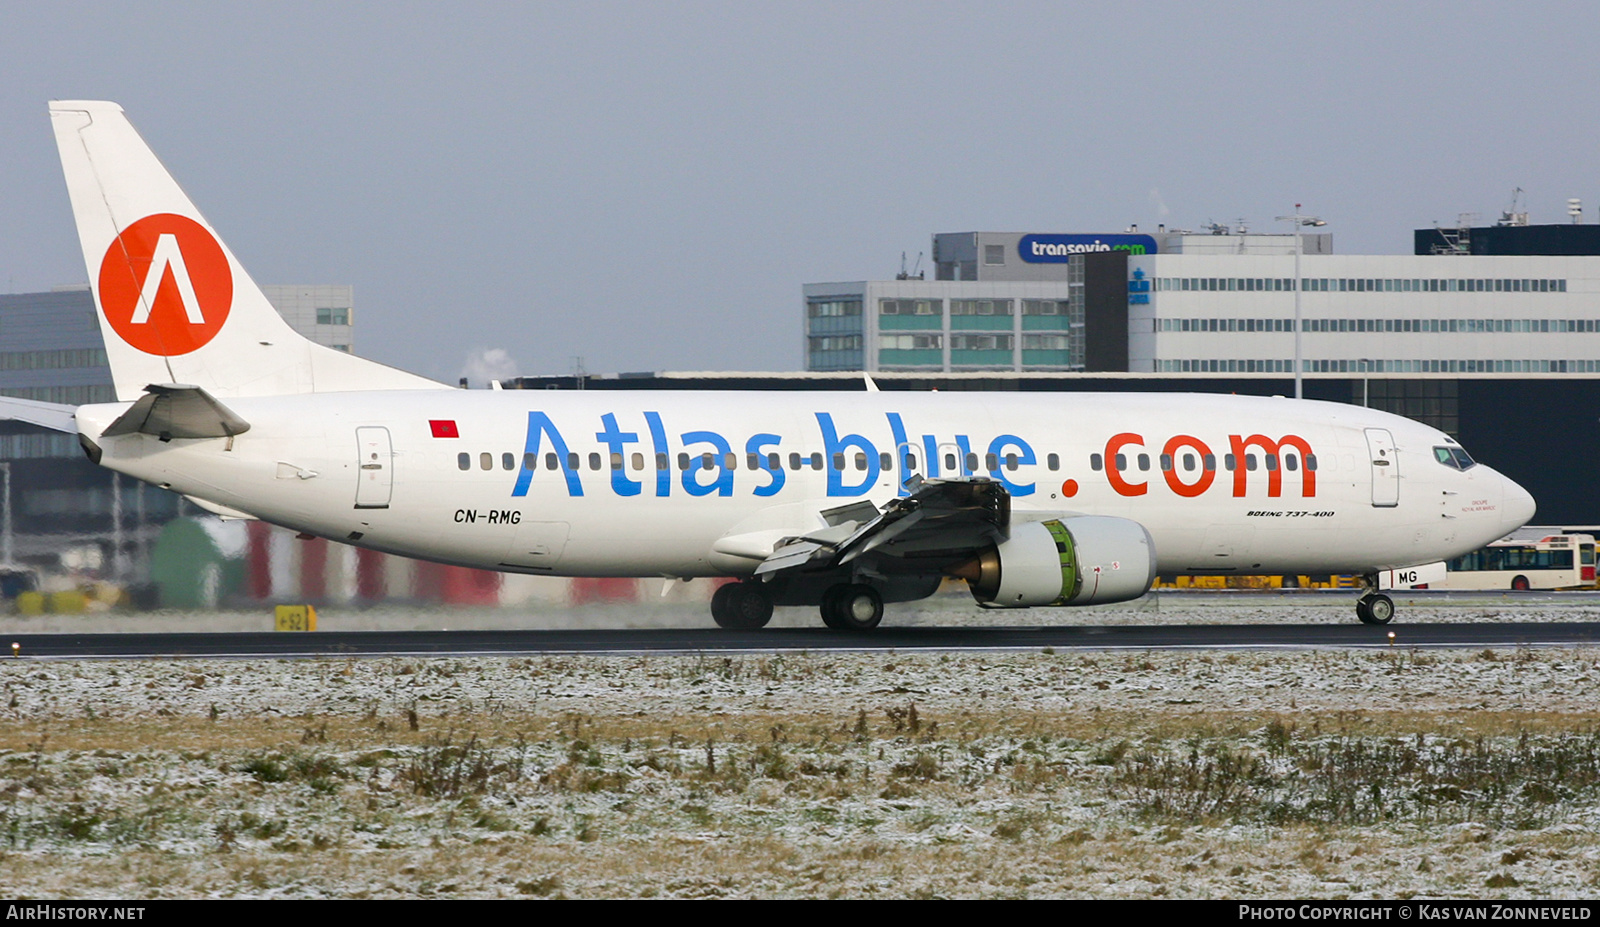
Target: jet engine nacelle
pixel 1086 560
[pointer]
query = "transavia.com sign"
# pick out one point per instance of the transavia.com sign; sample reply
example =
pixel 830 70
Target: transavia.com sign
pixel 1058 249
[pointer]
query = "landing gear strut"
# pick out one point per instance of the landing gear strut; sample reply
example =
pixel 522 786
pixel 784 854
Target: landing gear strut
pixel 852 607
pixel 741 606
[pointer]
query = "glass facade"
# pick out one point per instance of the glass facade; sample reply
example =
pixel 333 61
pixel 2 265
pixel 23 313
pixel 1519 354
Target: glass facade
pixel 833 334
pixel 959 332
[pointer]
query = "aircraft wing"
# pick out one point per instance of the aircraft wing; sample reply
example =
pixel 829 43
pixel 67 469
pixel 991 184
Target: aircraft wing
pixel 942 522
pixel 52 415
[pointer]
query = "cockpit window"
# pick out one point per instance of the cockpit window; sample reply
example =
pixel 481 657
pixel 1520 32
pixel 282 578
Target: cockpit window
pixel 1454 458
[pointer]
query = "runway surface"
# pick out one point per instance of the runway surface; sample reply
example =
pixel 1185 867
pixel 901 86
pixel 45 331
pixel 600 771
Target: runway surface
pixel 247 644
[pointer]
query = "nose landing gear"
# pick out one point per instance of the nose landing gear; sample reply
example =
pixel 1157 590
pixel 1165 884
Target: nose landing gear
pixel 1374 607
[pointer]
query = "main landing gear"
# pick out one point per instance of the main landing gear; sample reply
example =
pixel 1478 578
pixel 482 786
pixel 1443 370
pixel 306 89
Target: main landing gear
pixel 746 606
pixel 1374 607
pixel 741 606
pixel 852 607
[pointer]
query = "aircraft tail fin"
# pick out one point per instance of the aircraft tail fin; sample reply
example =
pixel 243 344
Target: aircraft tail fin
pixel 174 304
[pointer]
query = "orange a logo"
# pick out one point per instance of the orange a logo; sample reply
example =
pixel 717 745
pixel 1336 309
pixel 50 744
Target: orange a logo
pixel 165 285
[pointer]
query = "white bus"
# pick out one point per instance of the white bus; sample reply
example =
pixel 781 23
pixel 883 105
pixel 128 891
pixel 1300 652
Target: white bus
pixel 1557 561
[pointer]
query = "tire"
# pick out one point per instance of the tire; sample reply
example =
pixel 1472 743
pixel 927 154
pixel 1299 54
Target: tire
pixel 1375 609
pixel 741 607
pixel 1521 584
pixel 830 607
pixel 856 607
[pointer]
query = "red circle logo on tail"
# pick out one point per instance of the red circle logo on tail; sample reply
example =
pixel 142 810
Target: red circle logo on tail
pixel 165 285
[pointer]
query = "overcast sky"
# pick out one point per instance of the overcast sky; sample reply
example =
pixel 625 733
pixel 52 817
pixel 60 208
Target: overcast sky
pixel 648 185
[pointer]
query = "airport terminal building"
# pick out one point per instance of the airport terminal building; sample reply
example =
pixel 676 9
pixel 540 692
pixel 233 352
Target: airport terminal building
pixel 1521 300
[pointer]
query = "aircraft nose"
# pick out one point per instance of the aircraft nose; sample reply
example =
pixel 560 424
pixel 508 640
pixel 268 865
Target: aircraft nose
pixel 1518 508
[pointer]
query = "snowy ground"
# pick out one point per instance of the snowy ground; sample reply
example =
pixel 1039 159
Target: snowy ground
pixel 1308 774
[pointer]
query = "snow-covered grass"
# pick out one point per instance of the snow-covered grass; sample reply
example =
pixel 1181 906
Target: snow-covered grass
pixel 1307 774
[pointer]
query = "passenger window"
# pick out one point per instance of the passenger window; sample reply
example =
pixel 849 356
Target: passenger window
pixel 464 460
pixel 1311 461
pixel 794 461
pixel 950 462
pixel 885 460
pixel 730 461
pixel 1122 462
pixel 1228 462
pixel 1011 461
pixel 551 462
pixel 991 462
pixel 708 461
pixel 1188 461
pixel 638 461
pixel 662 462
pixel 1053 461
pixel 594 461
pixel 530 461
pixel 1211 462
pixel 838 462
pixel 752 462
pixel 1249 461
pixel 1166 462
pixel 774 462
pixel 972 462
pixel 508 461
pixel 1291 462
pixel 616 461
pixel 1272 462
pixel 683 461
pixel 861 461
pixel 486 460
pixel 1096 462
pixel 816 460
pixel 572 460
pixel 1144 461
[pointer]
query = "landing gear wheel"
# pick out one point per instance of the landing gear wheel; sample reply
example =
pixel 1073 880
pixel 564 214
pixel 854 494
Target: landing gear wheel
pixel 1375 609
pixel 853 607
pixel 741 607
pixel 830 608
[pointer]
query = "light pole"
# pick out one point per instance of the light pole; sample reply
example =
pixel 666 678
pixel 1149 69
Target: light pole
pixel 7 542
pixel 1296 222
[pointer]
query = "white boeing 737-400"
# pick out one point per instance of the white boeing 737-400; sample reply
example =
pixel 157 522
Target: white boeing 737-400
pixel 838 500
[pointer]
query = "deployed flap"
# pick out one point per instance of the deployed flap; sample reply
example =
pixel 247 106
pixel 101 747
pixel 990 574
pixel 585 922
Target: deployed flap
pixel 856 512
pixel 944 520
pixel 177 410
pixel 50 415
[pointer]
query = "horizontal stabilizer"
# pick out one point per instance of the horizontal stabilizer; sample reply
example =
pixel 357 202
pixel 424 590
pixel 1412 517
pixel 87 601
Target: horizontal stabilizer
pixel 52 415
pixel 178 410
